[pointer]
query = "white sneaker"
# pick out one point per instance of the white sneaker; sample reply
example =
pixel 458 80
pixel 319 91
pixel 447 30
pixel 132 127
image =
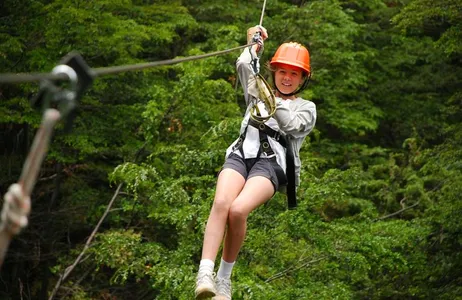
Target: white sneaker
pixel 205 285
pixel 223 289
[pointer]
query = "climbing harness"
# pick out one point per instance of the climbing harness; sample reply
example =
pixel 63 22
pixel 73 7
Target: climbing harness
pixel 265 132
pixel 287 178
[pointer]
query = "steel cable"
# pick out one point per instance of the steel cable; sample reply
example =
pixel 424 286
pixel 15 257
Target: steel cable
pixel 32 77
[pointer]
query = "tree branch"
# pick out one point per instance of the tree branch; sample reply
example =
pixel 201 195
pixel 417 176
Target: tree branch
pixel 403 205
pixel 47 178
pixel 404 208
pixel 87 245
pixel 78 281
pixel 293 268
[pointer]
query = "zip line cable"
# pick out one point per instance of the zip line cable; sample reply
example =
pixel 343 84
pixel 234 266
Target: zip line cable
pixel 115 70
pixel 32 77
pixel 262 13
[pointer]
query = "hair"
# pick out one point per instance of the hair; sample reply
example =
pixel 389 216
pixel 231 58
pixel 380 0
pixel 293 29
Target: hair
pixel 272 69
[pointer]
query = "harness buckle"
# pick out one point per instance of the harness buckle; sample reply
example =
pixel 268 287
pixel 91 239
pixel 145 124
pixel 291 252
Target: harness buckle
pixel 238 144
pixel 265 145
pixel 277 136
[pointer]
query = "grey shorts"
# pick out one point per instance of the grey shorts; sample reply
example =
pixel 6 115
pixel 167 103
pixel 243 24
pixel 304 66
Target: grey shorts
pixel 252 167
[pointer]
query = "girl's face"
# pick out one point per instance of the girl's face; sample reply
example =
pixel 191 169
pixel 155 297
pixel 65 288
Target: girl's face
pixel 287 79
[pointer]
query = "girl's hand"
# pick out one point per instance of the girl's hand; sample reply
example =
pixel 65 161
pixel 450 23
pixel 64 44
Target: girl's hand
pixel 252 30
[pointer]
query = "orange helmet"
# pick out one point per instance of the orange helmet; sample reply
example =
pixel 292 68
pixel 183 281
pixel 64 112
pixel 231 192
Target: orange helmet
pixel 293 54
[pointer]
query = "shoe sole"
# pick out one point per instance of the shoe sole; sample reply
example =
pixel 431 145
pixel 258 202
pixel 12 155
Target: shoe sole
pixel 204 294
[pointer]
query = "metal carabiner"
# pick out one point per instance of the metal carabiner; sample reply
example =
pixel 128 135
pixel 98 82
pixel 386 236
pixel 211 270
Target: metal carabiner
pixel 66 97
pixel 73 79
pixel 255 63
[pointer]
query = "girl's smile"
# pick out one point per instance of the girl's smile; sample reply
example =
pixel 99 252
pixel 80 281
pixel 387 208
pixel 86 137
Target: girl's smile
pixel 287 79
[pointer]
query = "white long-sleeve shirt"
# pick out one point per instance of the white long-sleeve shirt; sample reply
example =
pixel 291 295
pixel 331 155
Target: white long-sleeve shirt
pixel 293 118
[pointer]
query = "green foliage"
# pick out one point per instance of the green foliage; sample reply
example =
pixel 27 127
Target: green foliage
pixel 123 252
pixel 439 19
pixel 332 39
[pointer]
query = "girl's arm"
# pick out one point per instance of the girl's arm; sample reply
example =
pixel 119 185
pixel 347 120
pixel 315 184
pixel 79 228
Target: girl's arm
pixel 296 118
pixel 244 71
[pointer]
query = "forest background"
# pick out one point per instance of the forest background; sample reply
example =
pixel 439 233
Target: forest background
pixel 379 209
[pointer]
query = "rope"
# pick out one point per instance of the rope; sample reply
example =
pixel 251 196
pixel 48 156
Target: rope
pixel 262 12
pixel 264 92
pixel 32 77
pixel 16 207
pixel 266 95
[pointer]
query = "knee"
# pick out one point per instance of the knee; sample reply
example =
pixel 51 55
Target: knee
pixel 221 204
pixel 237 214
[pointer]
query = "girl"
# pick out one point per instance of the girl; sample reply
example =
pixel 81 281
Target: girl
pixel 256 163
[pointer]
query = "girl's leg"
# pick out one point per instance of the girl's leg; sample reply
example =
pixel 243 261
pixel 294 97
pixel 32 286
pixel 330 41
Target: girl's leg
pixel 229 185
pixel 257 190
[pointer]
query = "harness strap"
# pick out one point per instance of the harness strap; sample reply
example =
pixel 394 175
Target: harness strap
pixel 240 143
pixel 266 131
